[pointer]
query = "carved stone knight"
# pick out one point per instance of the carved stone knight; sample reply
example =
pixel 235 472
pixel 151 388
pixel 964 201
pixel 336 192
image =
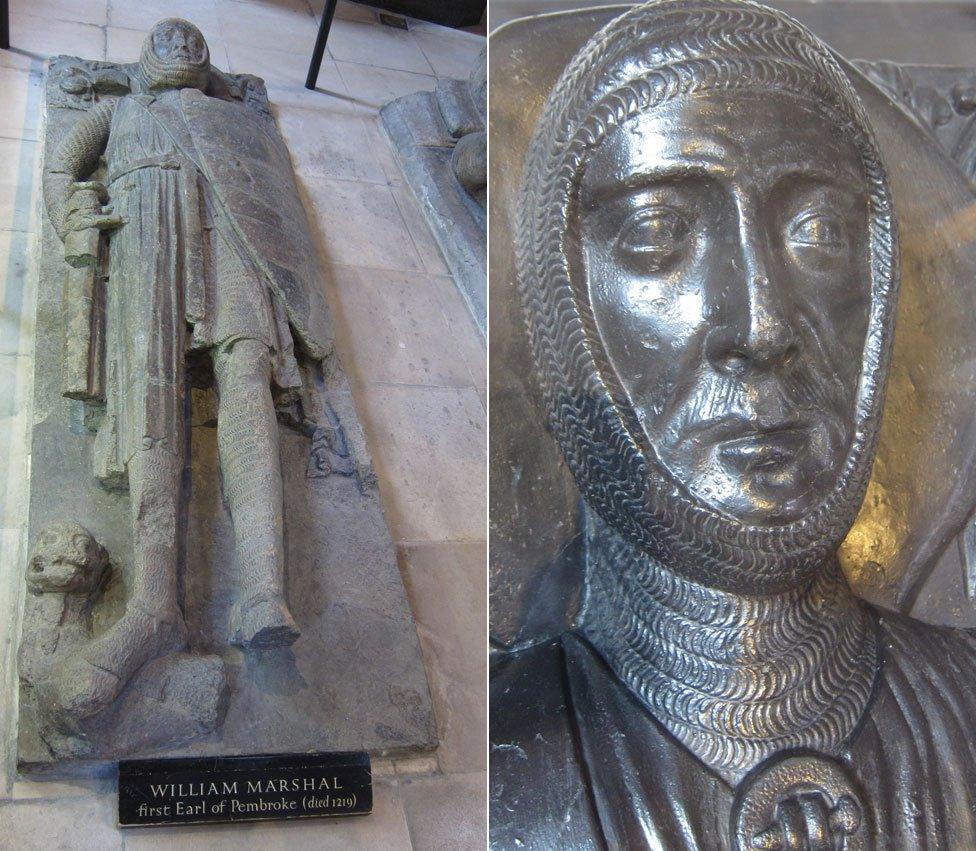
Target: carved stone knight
pixel 708 264
pixel 205 257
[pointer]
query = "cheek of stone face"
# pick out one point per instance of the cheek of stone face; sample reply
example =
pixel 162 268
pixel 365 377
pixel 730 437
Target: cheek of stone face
pixel 163 44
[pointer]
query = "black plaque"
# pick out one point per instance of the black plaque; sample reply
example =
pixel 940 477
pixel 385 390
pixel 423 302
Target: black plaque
pixel 244 788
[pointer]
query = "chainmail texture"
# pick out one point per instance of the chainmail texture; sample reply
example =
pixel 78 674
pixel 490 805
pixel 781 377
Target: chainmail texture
pixel 734 678
pixel 649 55
pixel 76 158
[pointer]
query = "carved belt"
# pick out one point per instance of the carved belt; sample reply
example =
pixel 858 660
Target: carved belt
pixel 147 162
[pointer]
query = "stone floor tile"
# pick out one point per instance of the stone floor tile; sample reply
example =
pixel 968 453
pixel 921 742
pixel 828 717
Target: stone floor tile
pixel 470 341
pixel 284 75
pixel 63 825
pixel 298 6
pixel 16 376
pixel 282 67
pixel 427 247
pixel 379 45
pixel 33 39
pixel 18 167
pixel 323 143
pixel 81 11
pixel 361 225
pixel 477 30
pixel 11 593
pixel 16 295
pixel 396 328
pixel 14 469
pixel 428 447
pixel 329 94
pixel 446 585
pixel 347 10
pixel 450 53
pixel 411 766
pixel 385 828
pixel 267 25
pixel 378 86
pixel 446 812
pixel 379 142
pixel 30 788
pixel 21 94
pixel 143 14
pixel 382 767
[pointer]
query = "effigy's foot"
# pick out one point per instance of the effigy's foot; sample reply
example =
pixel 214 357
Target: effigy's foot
pixel 262 623
pixel 88 681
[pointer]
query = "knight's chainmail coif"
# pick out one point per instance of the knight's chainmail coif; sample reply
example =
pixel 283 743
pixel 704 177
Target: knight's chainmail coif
pixel 678 48
pixel 741 639
pixel 173 73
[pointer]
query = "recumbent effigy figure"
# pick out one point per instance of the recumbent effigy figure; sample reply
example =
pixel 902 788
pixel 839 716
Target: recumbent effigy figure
pixel 708 265
pixel 207 255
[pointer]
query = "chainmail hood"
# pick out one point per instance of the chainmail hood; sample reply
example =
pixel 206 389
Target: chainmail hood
pixel 653 53
pixel 173 74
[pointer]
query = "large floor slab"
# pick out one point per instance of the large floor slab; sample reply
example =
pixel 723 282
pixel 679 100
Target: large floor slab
pixel 355 678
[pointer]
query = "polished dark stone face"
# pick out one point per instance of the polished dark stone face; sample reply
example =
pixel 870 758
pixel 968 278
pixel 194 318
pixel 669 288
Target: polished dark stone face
pixel 183 42
pixel 725 245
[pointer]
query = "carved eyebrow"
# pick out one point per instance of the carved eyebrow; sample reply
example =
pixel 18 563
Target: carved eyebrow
pixel 839 176
pixel 668 172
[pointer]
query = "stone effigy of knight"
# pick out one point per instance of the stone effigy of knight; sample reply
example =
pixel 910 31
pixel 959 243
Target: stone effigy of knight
pixel 185 206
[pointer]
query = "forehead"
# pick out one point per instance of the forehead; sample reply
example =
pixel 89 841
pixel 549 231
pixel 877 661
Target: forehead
pixel 735 134
pixel 170 28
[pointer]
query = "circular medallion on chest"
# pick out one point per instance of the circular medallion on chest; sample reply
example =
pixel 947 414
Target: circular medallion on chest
pixel 800 802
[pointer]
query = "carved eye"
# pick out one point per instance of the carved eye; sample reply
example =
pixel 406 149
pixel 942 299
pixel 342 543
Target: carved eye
pixel 655 235
pixel 819 229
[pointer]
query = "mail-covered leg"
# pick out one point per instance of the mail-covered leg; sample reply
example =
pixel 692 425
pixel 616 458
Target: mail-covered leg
pixel 247 438
pixel 152 624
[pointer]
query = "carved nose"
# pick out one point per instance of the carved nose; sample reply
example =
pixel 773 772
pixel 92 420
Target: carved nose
pixel 759 335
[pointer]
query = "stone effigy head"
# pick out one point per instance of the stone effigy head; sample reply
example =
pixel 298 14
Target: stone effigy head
pixel 708 266
pixel 66 559
pixel 175 56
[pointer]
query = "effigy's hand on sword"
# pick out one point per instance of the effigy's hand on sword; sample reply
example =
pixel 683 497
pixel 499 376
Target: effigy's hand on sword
pixel 85 219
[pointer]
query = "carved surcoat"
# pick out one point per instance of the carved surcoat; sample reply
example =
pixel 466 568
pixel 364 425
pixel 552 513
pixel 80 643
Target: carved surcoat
pixel 577 761
pixel 184 273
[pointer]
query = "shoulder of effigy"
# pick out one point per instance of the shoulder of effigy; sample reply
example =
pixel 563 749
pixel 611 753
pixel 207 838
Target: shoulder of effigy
pixel 536 798
pixel 522 673
pixel 530 704
pixel 928 650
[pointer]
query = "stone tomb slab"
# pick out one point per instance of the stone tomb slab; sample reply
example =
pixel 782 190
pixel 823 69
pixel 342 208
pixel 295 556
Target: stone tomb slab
pixel 355 678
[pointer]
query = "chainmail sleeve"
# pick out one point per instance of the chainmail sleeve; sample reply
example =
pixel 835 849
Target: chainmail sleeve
pixel 75 159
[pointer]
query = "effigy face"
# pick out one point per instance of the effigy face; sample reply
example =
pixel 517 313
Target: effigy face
pixel 175 41
pixel 724 238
